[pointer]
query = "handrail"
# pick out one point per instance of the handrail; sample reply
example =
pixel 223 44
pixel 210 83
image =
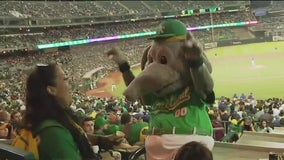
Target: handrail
pixel 136 154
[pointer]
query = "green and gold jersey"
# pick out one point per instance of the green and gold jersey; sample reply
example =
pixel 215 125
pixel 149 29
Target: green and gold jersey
pixel 182 113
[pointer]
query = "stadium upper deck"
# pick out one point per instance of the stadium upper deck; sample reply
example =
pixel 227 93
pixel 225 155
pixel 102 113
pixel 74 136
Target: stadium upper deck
pixel 44 9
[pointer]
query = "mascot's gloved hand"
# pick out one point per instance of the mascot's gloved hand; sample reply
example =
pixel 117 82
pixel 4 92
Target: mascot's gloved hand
pixel 193 53
pixel 123 65
pixel 115 55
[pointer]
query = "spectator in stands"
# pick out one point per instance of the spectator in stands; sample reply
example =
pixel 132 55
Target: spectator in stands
pixel 48 115
pixel 250 96
pixel 218 134
pixel 248 124
pixel 217 125
pixel 113 118
pixel 280 121
pixel 88 125
pixel 16 121
pixel 5 126
pixel 267 116
pixel 16 117
pixel 259 113
pixel 193 151
pixel 224 115
pixel 235 96
pixel 126 123
pixel 137 117
pixel 234 129
pixel 264 127
pixel 243 96
pixel 241 109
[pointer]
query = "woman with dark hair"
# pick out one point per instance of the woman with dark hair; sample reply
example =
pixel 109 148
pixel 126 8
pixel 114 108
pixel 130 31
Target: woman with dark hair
pixel 49 117
pixel 193 151
pixel 264 127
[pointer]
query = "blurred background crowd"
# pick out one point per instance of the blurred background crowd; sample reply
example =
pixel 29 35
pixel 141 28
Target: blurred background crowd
pixel 235 113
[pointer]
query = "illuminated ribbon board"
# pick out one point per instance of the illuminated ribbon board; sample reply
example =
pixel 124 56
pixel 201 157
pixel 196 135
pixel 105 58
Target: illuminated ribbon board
pixel 141 34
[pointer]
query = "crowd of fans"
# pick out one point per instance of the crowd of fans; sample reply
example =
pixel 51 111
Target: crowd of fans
pixel 78 61
pixel 276 5
pixel 44 9
pixel 272 25
pixel 235 114
pixel 81 59
pixel 108 115
pixel 245 113
pixel 50 35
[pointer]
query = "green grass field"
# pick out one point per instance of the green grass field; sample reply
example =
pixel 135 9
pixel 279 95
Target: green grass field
pixel 233 71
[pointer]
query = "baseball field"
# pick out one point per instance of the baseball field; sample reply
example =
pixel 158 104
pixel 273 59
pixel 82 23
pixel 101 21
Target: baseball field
pixel 256 68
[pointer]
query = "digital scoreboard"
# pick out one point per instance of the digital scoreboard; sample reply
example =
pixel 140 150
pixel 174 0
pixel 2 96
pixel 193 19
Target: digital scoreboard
pixel 201 11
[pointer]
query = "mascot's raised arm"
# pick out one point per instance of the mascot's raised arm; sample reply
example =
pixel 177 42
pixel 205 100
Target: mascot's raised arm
pixel 176 82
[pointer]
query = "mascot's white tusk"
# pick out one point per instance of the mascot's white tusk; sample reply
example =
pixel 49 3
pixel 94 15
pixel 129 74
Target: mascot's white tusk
pixel 153 131
pixel 194 130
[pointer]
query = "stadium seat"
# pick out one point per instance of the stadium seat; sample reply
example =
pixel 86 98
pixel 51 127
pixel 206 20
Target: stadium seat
pixel 8 152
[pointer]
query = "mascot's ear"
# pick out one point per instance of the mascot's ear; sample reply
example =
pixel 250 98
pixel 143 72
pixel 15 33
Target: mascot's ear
pixel 189 36
pixel 144 57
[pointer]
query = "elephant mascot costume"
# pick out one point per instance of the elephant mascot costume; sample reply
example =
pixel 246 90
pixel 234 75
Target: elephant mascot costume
pixel 176 82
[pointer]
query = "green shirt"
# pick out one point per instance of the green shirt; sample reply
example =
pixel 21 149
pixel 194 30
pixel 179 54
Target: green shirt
pixel 182 113
pixel 135 129
pixel 56 142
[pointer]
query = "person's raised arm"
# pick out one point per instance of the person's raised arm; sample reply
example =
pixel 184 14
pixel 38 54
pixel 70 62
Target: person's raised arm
pixel 123 65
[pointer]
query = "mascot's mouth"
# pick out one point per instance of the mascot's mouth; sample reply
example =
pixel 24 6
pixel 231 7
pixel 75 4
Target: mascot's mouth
pixel 166 88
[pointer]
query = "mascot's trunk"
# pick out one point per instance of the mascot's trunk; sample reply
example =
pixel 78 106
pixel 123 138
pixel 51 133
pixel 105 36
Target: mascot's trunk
pixel 152 79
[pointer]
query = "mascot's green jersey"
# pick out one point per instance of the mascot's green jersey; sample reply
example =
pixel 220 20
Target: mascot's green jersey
pixel 182 112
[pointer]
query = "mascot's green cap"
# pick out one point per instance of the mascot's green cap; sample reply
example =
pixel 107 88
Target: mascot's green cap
pixel 170 28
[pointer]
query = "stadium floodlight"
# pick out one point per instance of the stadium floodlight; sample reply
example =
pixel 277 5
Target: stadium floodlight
pixel 140 34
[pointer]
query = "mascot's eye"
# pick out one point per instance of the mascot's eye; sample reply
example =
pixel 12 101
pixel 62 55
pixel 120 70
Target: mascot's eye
pixel 163 60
